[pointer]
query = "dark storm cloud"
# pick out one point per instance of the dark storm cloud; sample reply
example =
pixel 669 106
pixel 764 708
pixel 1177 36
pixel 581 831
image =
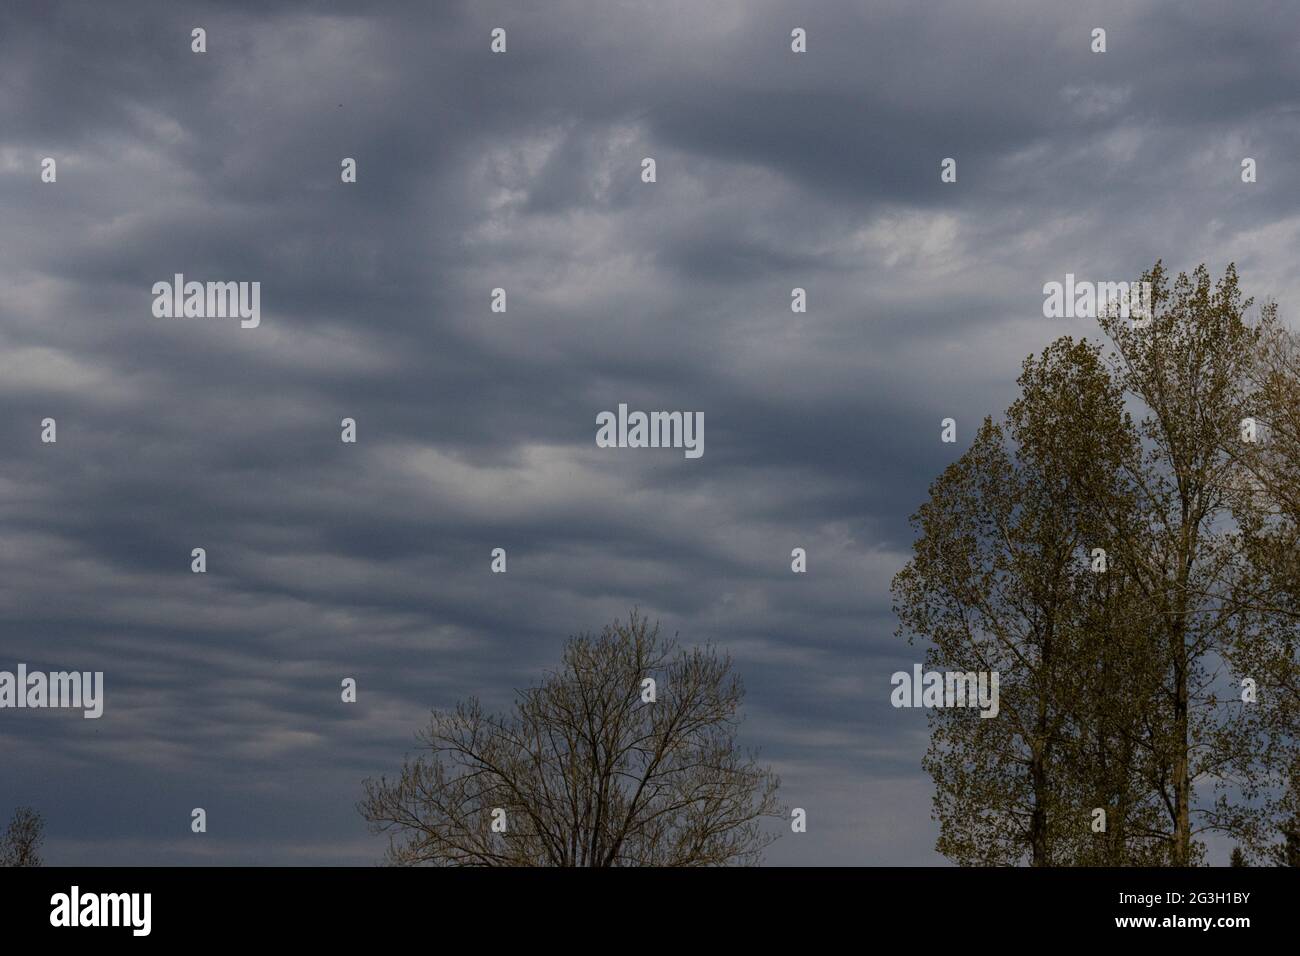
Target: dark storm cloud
pixel 476 429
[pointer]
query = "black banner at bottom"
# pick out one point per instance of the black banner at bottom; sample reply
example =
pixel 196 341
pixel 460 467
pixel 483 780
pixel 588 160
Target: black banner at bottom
pixel 334 906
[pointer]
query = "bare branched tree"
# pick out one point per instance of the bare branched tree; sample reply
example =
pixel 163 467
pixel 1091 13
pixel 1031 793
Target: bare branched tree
pixel 21 843
pixel 593 767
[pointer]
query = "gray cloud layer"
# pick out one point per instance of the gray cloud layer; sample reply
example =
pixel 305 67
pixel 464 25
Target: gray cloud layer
pixel 476 429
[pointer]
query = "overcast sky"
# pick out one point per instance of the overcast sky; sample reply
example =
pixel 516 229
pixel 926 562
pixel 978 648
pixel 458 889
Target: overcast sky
pixel 476 429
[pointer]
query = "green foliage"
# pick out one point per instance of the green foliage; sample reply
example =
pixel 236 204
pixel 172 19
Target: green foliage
pixel 1117 687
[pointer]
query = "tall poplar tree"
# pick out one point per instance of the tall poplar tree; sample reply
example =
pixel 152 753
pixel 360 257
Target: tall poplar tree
pixel 1121 676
